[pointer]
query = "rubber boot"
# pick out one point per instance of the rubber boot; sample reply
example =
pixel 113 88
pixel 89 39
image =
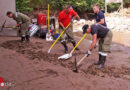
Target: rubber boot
pixel 27 38
pixel 65 46
pixel 99 61
pixel 74 44
pixel 22 39
pixel 103 60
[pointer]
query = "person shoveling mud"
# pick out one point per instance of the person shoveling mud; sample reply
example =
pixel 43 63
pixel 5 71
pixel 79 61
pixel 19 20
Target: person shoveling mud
pixel 65 17
pixel 104 35
pixel 23 21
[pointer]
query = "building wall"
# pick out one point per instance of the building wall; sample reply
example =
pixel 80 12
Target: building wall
pixel 114 1
pixel 6 5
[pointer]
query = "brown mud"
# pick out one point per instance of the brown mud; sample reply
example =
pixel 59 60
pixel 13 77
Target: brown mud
pixel 28 66
pixel 33 51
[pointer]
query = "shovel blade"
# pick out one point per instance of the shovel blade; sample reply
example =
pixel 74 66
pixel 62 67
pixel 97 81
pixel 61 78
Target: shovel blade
pixel 49 51
pixel 65 56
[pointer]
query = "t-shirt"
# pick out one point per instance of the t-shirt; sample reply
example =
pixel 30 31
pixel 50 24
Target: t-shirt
pixel 21 18
pixel 100 16
pixel 64 18
pixel 99 29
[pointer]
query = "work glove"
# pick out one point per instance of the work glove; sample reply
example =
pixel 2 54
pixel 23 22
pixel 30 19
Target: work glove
pixel 72 20
pixel 84 28
pixel 95 46
pixel 88 52
pixel 14 27
pixel 63 28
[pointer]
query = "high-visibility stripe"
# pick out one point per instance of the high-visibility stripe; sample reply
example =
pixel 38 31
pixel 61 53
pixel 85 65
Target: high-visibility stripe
pixel 99 52
pixel 23 35
pixel 103 54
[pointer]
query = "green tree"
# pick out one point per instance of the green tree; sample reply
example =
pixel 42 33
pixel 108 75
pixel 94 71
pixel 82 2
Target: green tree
pixel 78 5
pixel 38 3
pixel 23 5
pixel 126 1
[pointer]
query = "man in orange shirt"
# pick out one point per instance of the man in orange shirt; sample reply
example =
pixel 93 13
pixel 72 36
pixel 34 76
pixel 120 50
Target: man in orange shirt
pixel 65 17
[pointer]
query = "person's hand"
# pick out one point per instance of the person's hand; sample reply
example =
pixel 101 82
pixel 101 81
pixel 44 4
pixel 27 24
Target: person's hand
pixel 14 27
pixel 18 25
pixel 95 46
pixel 72 20
pixel 63 28
pixel 88 52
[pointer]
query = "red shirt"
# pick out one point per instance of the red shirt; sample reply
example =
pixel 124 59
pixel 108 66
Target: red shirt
pixel 41 19
pixel 66 18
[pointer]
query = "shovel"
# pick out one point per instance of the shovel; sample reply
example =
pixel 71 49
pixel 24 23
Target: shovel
pixel 58 38
pixel 77 64
pixel 67 56
pixel 9 27
pixel 86 55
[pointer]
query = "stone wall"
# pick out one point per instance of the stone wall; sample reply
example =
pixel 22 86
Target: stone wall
pixel 6 5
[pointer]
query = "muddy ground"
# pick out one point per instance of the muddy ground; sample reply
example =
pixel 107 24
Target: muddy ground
pixel 28 66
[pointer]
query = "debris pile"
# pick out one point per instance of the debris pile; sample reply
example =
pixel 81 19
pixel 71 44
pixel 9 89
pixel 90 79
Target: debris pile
pixel 118 22
pixel 77 25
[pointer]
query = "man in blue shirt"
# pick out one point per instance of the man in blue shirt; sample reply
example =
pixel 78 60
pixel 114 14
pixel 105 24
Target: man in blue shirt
pixel 99 16
pixel 104 35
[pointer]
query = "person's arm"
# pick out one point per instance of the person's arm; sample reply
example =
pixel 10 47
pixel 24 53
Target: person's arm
pixel 94 41
pixel 101 21
pixel 61 25
pixel 17 25
pixel 94 20
pixel 18 22
pixel 101 16
pixel 76 16
pixel 59 20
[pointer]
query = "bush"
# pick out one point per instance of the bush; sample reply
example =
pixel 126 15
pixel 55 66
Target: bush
pixel 113 6
pixel 78 5
pixel 23 5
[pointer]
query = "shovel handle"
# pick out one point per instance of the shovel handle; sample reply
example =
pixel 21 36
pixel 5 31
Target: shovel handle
pixel 48 17
pixel 82 59
pixel 8 27
pixel 78 43
pixel 58 38
pixel 4 23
